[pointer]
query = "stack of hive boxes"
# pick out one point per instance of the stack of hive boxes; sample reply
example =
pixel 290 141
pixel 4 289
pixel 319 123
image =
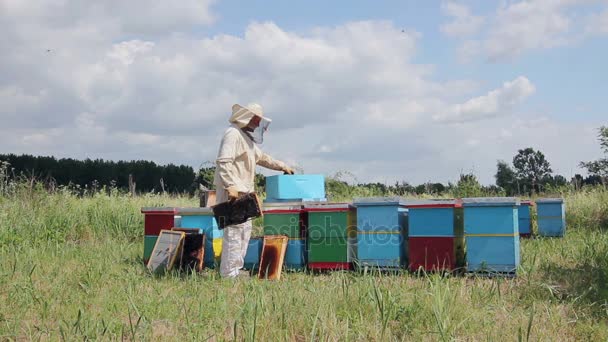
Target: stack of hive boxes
pixel 284 214
pixel 551 217
pixel 491 228
pixel 331 235
pixel 155 220
pixel 525 221
pixel 381 233
pixel 288 219
pixel 203 219
pixel 431 235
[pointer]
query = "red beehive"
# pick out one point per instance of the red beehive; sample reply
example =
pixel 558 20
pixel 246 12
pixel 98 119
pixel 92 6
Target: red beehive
pixel 431 253
pixel 157 219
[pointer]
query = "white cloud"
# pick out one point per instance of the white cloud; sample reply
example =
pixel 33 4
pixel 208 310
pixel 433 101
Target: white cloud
pixel 496 102
pixel 349 97
pixel 517 27
pixel 463 22
pixel 528 25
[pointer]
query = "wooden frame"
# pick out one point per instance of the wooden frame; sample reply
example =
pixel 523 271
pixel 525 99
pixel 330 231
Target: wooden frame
pixel 165 252
pixel 273 255
pixel 201 251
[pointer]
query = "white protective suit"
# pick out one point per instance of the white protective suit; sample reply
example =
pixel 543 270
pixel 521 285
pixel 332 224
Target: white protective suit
pixel 235 168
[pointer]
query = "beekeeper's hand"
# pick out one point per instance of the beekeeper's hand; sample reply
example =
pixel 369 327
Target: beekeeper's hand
pixel 287 170
pixel 232 194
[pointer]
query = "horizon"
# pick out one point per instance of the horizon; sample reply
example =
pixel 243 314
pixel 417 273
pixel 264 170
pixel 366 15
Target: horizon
pixel 397 91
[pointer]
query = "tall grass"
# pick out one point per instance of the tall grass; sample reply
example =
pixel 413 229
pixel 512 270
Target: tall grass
pixel 70 268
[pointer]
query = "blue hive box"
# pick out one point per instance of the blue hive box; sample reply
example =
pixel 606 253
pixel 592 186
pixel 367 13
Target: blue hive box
pixel 431 218
pixel 551 217
pixel 491 227
pixel 203 219
pixel 492 254
pixel 380 214
pixel 295 255
pixel 380 241
pixel 295 188
pixel 383 250
pixel 254 250
pixel 525 222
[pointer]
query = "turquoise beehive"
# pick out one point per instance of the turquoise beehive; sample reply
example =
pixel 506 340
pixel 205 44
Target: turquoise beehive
pixel 203 219
pixel 282 188
pixel 252 256
pixel 381 232
pixel 491 228
pixel 525 221
pixel 295 255
pixel 551 213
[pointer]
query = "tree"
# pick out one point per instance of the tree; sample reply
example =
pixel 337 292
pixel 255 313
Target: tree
pixel 468 186
pixel 505 178
pixel 531 167
pixel 599 168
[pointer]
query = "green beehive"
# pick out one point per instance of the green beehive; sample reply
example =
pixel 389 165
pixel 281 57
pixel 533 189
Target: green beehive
pixel 283 220
pixel 328 250
pixel 331 221
pixel 329 229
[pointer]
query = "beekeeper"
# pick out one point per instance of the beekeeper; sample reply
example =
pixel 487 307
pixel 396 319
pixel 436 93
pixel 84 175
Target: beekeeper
pixel 235 173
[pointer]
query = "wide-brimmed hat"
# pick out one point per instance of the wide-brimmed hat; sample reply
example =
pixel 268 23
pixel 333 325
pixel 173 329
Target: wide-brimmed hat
pixel 241 115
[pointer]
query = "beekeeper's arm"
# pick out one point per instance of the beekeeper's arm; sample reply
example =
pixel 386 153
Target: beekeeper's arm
pixel 225 163
pixel 267 161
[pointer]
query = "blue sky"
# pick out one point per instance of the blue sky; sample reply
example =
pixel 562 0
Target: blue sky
pixel 389 90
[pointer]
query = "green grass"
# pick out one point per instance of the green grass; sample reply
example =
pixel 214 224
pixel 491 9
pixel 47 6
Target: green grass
pixel 70 268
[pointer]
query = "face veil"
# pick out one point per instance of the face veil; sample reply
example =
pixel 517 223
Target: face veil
pixel 257 134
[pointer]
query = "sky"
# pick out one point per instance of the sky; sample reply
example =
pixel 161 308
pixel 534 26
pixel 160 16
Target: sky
pixel 413 91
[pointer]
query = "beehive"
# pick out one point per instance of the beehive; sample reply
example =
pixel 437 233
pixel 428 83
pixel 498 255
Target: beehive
pixel 381 223
pixel 525 221
pixel 202 218
pixel 155 220
pixel 254 250
pixel 284 220
pixel 551 213
pixel 295 256
pixel 331 235
pixel 288 219
pixel 295 187
pixel 431 236
pixel 491 228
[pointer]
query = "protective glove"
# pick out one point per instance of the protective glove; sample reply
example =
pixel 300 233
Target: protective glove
pixel 232 194
pixel 287 170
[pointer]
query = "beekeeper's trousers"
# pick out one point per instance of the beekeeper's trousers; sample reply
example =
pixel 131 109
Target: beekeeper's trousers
pixel 234 248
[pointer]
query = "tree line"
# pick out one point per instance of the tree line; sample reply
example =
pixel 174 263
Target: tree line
pixel 145 176
pixel 528 173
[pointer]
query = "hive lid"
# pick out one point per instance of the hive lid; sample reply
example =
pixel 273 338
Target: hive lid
pixel 432 203
pixel 283 208
pixel 550 200
pixel 194 211
pixel 490 201
pixel 375 201
pixel 282 205
pixel 327 207
pixel 158 210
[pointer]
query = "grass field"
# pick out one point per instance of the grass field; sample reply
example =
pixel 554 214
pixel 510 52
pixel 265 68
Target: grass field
pixel 70 268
